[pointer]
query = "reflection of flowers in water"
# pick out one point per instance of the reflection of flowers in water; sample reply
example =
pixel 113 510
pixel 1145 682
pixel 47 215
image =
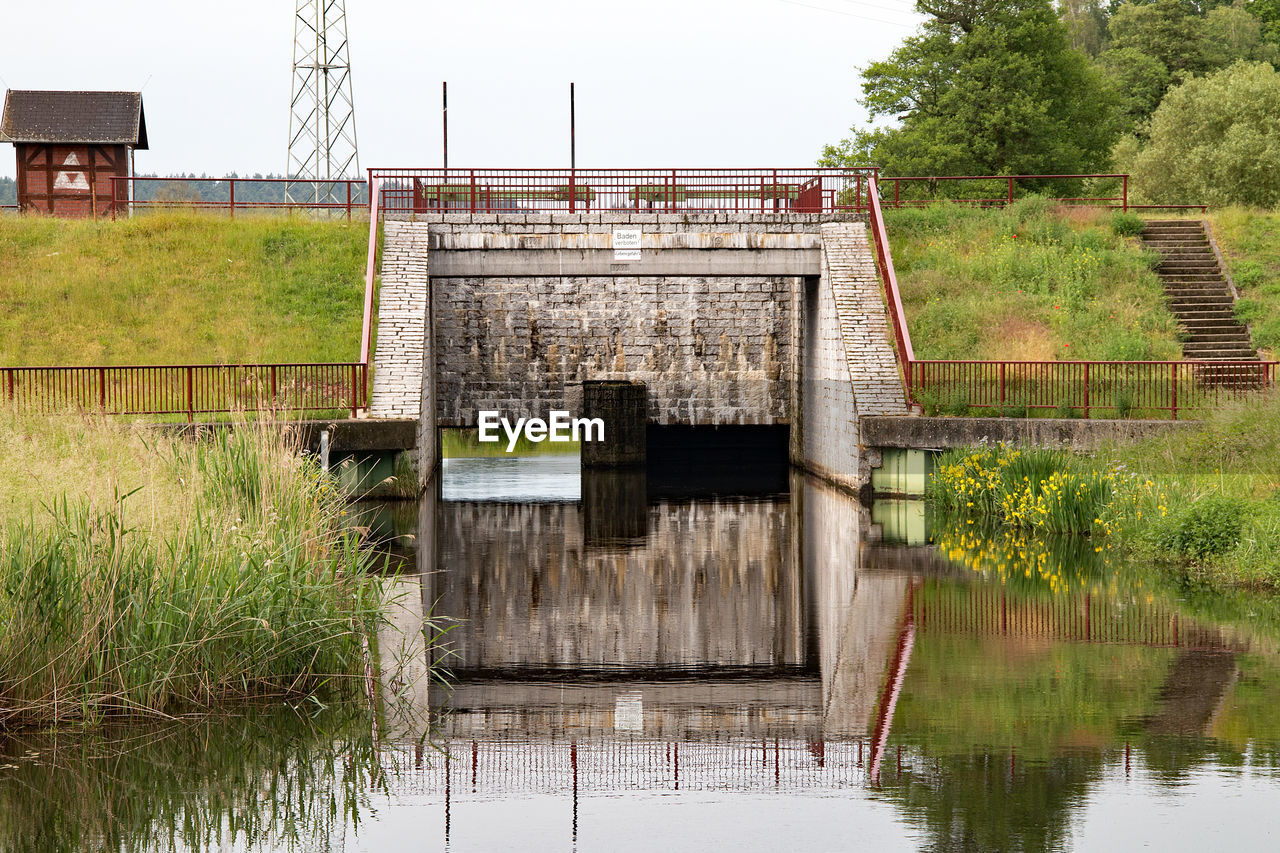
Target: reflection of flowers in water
pixel 1014 557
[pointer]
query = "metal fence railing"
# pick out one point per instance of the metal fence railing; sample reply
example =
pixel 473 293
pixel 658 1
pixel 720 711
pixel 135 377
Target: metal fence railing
pixel 812 190
pixel 190 389
pixel 1001 190
pixel 1086 388
pixel 229 195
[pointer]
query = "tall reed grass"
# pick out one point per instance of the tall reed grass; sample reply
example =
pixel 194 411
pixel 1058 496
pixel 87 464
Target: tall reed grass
pixel 172 574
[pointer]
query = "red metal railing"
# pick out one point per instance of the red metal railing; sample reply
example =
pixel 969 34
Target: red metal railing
pixel 892 298
pixel 992 611
pixel 190 389
pixel 1106 388
pixel 623 190
pixel 232 194
pixel 923 190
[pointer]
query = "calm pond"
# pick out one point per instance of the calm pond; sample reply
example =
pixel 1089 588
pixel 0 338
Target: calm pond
pixel 741 662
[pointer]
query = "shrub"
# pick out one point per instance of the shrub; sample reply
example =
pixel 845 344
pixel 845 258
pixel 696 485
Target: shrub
pixel 1065 410
pixel 1206 528
pixel 1127 224
pixel 1124 403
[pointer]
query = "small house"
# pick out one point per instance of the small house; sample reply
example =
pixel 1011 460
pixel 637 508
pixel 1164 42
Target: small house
pixel 69 147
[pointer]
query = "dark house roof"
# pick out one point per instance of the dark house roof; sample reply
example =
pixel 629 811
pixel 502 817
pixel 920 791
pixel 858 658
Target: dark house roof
pixel 101 118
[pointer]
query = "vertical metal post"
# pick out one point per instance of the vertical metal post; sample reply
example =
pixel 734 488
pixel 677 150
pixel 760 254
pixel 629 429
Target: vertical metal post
pixel 1010 190
pixel 348 201
pixel 1125 192
pixel 897 188
pixel 9 381
pixel 355 400
pixel 1173 390
pixel 573 153
pixel 444 120
pixel 102 388
pixel 473 190
pixel 191 408
pixel 1002 366
pixel 1086 390
pixel 231 205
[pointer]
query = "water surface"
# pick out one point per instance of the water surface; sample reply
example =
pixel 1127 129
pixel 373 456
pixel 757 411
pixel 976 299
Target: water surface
pixel 639 667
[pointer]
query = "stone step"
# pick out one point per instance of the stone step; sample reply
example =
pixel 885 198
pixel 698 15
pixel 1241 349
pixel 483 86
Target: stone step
pixel 1210 350
pixel 1177 265
pixel 1190 226
pixel 1198 313
pixel 1185 253
pixel 1171 240
pixel 1199 294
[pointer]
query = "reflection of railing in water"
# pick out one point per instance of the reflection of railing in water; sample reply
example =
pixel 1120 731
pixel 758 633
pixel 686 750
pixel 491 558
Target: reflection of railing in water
pixel 1076 616
pixel 608 765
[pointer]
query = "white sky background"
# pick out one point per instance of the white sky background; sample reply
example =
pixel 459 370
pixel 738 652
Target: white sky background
pixel 692 83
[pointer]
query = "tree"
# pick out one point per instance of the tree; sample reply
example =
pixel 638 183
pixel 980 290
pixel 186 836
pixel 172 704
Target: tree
pixel 986 87
pixel 1141 80
pixel 1214 140
pixel 1086 22
pixel 1232 34
pixel 1164 29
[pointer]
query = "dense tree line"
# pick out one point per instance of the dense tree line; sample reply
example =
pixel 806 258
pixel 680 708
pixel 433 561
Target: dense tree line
pixel 1182 93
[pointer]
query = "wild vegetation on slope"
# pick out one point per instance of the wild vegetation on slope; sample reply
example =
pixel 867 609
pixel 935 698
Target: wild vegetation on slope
pixel 1031 282
pixel 1250 243
pixel 180 288
pixel 146 574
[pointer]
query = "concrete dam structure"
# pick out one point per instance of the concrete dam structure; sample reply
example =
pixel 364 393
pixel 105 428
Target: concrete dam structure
pixel 726 319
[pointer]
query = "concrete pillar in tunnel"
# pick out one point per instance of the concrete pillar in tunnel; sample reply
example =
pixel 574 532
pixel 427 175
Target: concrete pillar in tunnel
pixel 623 408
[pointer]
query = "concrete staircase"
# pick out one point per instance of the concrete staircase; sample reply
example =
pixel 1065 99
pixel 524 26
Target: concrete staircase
pixel 1197 291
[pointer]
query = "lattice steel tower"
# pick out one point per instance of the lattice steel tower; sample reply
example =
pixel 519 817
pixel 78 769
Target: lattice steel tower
pixel 322 112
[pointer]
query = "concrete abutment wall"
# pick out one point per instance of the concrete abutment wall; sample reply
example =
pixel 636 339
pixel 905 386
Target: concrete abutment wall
pixel 726 319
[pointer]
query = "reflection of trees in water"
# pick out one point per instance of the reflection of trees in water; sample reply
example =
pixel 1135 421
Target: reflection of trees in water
pixel 986 800
pixel 274 779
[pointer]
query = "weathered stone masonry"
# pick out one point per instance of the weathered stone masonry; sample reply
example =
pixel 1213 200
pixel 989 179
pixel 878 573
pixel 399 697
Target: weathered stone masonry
pixel 746 319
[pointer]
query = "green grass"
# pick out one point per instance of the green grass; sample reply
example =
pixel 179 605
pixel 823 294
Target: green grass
pixel 180 288
pixel 143 574
pixel 461 443
pixel 1031 282
pixel 1250 243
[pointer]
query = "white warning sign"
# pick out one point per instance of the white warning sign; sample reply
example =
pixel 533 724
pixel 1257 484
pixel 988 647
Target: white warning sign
pixel 626 244
pixel 71 180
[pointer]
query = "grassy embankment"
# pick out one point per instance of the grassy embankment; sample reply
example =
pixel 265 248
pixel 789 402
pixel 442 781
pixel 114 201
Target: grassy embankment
pixel 169 288
pixel 146 574
pixel 1030 282
pixel 1250 243
pixel 1204 503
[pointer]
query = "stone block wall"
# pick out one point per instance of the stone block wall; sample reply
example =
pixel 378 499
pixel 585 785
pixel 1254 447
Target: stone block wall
pixel 709 350
pixel 403 299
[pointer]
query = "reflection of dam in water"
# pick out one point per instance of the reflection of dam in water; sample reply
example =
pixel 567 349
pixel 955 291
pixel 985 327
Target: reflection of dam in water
pixel 734 641
pixel 687 618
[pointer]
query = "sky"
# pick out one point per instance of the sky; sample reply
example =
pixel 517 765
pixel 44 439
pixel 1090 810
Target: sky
pixel 659 83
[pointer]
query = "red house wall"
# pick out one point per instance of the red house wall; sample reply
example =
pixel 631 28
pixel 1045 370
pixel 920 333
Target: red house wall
pixel 69 180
